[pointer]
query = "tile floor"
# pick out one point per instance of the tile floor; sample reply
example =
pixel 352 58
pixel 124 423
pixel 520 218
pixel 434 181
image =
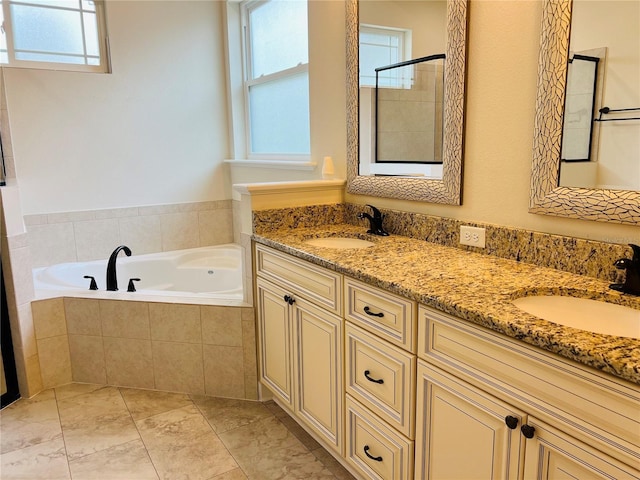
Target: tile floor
pixel 82 431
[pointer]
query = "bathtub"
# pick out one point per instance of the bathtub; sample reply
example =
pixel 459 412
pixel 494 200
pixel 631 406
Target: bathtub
pixel 205 275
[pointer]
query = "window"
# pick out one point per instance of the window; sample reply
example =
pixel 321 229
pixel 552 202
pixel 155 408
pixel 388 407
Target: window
pixel 276 83
pixel 53 34
pixel 381 46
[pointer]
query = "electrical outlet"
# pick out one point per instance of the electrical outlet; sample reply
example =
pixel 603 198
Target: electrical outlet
pixel 473 236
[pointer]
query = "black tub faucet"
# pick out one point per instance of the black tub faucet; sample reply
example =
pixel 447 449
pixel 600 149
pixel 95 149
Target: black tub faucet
pixel 112 278
pixel 631 283
pixel 375 221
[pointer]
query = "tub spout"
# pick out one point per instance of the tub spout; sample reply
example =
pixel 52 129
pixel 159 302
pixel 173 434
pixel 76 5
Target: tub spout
pixel 112 278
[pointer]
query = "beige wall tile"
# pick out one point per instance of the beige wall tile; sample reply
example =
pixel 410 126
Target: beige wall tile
pixel 87 359
pixel 141 234
pixel 223 371
pixel 55 361
pixel 96 239
pixel 178 367
pixel 179 230
pixel 175 322
pixel 249 342
pixel 221 325
pixel 52 244
pixel 49 318
pixel 128 362
pixel 32 384
pixel 19 275
pixel 251 387
pixel 27 331
pixel 125 319
pixel 215 227
pixel 83 316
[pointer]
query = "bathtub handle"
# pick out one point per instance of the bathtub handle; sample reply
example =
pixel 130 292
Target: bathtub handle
pixel 132 287
pixel 92 285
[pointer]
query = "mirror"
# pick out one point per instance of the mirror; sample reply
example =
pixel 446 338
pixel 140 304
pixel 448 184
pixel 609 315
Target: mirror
pixel 601 136
pixel 547 196
pixel 445 187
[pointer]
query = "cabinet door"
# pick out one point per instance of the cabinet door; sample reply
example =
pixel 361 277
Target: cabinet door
pixel 318 371
pixel 554 455
pixel 461 431
pixel 274 345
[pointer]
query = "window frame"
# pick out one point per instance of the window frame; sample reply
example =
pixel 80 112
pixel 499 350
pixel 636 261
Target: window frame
pixel 103 42
pixel 249 81
pixel 403 36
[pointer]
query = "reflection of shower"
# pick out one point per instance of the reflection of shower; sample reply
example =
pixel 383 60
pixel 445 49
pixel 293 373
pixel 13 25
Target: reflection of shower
pixel 577 134
pixel 408 117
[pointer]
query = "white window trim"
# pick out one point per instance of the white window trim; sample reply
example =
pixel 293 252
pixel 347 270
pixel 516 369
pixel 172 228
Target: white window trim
pixel 237 96
pixel 103 41
pixel 404 36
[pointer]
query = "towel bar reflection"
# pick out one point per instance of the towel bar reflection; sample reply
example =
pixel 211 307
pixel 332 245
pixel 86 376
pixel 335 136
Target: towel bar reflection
pixel 607 110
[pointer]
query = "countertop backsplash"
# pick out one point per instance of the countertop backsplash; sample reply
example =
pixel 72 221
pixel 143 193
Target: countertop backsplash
pixel 569 254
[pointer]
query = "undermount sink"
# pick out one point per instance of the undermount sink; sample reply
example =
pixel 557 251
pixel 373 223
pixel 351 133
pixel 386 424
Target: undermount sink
pixel 339 242
pixel 585 314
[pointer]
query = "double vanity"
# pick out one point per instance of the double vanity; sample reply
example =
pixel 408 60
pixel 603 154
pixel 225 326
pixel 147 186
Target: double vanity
pixel 407 359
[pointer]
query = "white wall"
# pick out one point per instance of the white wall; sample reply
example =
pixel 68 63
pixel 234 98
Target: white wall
pixel 153 125
pixel 152 132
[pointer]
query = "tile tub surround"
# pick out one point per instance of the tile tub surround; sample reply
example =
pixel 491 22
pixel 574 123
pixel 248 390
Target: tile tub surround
pixel 569 254
pixel 93 234
pixel 478 288
pixel 196 349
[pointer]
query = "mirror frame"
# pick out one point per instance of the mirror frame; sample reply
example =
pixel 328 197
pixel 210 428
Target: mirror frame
pixel 449 189
pixel 619 206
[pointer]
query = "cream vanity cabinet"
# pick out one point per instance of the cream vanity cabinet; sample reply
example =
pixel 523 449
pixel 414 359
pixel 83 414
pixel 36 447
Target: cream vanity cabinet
pixel 488 407
pixel 300 330
pixel 380 372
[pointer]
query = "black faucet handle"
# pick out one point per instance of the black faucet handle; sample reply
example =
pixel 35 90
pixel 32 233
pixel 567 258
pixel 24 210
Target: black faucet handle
pixel 376 213
pixel 131 287
pixel 92 285
pixel 636 252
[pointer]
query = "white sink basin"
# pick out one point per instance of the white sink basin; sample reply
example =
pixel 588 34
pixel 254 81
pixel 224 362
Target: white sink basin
pixel 339 242
pixel 591 315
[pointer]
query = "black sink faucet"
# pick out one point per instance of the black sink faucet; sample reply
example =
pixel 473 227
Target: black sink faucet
pixel 112 278
pixel 375 221
pixel 631 283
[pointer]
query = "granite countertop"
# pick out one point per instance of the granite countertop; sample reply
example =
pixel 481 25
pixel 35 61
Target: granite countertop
pixel 472 286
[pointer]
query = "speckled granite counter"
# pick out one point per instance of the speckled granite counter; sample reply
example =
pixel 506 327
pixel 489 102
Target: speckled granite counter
pixel 471 286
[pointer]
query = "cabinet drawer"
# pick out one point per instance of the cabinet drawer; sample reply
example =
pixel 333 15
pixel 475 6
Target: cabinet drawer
pixel 316 284
pixel 382 377
pixel 594 407
pixel 374 449
pixel 385 314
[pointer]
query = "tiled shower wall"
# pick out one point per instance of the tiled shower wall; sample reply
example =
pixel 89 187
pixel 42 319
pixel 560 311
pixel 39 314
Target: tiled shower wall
pixel 93 234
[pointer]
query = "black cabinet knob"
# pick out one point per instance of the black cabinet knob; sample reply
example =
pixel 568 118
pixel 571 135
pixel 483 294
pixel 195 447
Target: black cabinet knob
pixel 511 421
pixel 289 299
pixel 527 430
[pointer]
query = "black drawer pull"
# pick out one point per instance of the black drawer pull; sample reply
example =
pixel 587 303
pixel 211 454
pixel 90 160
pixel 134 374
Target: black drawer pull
pixel 366 374
pixel 368 311
pixel 366 452
pixel 289 299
